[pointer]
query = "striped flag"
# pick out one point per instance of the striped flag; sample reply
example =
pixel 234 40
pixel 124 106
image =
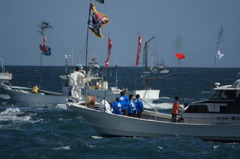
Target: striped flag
pixel 109 52
pixel 139 50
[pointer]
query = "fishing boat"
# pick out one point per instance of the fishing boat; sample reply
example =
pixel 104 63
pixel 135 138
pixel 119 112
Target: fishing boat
pixel 32 96
pixel 159 68
pixel 5 77
pixel 217 118
pixel 97 86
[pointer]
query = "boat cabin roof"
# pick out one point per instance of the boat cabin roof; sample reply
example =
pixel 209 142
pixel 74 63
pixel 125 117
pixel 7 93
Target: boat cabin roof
pixel 234 86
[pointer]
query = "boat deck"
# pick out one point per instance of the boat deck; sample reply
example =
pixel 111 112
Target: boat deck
pixel 149 115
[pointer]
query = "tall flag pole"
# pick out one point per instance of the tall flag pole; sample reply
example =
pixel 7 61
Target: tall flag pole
pixel 217 55
pixel 109 52
pixel 219 41
pixel 45 50
pixel 86 60
pixel 179 56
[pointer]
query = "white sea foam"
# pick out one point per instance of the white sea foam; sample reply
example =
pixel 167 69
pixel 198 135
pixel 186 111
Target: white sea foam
pixel 4 96
pixel 164 98
pixel 62 106
pixel 63 148
pixel 159 147
pixel 15 115
pixel 96 137
pixel 216 147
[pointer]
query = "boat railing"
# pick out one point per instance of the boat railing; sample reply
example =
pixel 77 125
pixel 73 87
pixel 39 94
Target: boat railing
pixel 155 110
pixel 205 119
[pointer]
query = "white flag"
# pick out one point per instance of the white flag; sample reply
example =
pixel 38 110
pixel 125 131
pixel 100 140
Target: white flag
pixel 219 55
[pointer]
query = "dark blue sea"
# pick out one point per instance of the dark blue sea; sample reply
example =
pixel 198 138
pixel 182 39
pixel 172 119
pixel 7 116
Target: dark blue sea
pixel 59 133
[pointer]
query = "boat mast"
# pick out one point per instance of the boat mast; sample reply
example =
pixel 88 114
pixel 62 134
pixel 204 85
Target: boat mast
pixel 219 41
pixel 116 81
pixel 86 60
pixel 145 63
pixel 89 12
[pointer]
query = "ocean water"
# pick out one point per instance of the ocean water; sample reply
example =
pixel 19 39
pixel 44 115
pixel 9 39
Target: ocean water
pixel 58 133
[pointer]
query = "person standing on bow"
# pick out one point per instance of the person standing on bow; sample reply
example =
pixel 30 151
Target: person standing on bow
pixel 124 102
pixel 78 83
pixel 117 107
pixel 139 106
pixel 175 108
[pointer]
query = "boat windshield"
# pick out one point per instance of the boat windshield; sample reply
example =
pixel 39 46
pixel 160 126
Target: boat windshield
pixel 223 95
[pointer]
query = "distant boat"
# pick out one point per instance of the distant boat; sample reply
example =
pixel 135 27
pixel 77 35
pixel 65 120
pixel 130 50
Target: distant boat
pixel 27 96
pixel 215 119
pixel 159 68
pixel 31 96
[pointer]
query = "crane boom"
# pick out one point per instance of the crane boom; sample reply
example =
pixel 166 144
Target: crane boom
pixel 145 62
pixel 149 40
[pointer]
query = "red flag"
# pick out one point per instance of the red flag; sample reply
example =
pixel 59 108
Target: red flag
pixel 109 52
pixel 180 56
pixel 139 50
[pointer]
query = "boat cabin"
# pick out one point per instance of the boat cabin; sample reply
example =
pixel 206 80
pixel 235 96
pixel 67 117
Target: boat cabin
pixel 223 106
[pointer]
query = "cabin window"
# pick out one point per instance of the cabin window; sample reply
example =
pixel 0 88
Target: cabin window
pixel 197 109
pixel 230 109
pixel 224 95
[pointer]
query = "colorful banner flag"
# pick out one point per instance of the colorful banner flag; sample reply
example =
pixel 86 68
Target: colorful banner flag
pixel 180 56
pixel 139 50
pixel 45 50
pixel 97 21
pixel 219 55
pixel 100 1
pixel 109 52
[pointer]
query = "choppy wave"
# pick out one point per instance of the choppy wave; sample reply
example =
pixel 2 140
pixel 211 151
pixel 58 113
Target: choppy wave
pixel 15 115
pixel 63 148
pixel 4 96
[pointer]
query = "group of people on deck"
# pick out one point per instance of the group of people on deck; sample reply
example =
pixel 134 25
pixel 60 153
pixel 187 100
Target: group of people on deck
pixel 128 105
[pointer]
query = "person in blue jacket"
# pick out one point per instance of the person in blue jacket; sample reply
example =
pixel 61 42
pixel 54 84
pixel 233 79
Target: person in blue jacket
pixel 117 107
pixel 139 105
pixel 131 107
pixel 124 102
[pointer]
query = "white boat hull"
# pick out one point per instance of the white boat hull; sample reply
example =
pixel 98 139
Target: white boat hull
pixel 119 125
pixel 38 99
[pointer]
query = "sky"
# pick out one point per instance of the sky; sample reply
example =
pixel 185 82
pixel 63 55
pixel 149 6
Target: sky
pixel 197 22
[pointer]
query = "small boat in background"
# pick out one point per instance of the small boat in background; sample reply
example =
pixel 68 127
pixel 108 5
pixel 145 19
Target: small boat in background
pixel 31 96
pixel 5 77
pixel 159 68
